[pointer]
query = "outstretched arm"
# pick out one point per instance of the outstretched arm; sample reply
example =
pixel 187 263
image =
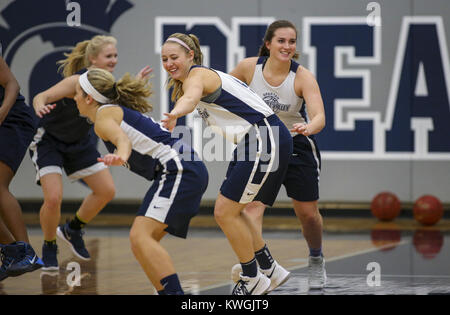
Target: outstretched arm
pixel 107 127
pixel 42 103
pixel 11 86
pixel 193 91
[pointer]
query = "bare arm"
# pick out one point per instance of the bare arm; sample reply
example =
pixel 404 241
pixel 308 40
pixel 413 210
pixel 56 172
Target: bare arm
pixel 245 69
pixel 11 86
pixel 42 102
pixel 306 86
pixel 107 127
pixel 193 88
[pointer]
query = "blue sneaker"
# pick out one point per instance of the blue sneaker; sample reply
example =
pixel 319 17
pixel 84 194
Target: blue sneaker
pixel 74 238
pixel 24 259
pixel 49 257
pixel 6 262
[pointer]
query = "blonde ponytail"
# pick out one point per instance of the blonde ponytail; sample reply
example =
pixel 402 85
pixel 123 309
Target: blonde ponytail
pixel 127 91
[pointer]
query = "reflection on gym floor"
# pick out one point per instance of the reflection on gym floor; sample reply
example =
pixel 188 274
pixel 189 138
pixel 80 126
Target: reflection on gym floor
pixel 375 258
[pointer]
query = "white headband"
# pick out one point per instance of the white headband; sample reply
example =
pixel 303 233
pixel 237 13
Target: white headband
pixel 179 41
pixel 89 89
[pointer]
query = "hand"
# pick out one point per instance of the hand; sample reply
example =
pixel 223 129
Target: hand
pixel 170 122
pixel 44 109
pixel 112 160
pixel 144 73
pixel 301 128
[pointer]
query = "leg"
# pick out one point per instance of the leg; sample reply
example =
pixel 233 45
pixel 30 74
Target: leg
pixel 312 223
pixel 145 235
pixel 253 215
pixel 50 214
pixel 5 235
pixel 228 216
pixel 103 191
pixel 10 209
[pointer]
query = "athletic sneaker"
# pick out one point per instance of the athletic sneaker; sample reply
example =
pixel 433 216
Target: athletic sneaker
pixel 317 276
pixel 6 262
pixel 20 258
pixel 49 257
pixel 73 238
pixel 258 285
pixel 277 274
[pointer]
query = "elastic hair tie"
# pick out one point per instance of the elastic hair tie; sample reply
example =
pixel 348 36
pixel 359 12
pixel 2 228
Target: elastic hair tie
pixel 89 89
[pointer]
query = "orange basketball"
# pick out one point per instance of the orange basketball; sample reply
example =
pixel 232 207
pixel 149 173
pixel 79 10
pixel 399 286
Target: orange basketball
pixel 385 206
pixel 428 210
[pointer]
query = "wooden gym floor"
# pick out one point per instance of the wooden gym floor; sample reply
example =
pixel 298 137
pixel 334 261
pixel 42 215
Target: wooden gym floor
pixel 411 259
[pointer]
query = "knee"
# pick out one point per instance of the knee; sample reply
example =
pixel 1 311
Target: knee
pixel 255 210
pixel 106 192
pixel 135 240
pixel 53 202
pixel 220 215
pixel 309 217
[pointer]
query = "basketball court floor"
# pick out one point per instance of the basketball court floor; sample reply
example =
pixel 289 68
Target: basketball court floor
pixel 363 257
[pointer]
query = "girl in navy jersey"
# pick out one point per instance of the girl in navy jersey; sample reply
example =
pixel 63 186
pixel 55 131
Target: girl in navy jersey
pixel 17 127
pixel 293 93
pixel 117 110
pixel 230 108
pixel 65 140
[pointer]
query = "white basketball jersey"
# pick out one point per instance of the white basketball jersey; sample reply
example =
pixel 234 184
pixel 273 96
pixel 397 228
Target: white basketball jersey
pixel 234 109
pixel 282 99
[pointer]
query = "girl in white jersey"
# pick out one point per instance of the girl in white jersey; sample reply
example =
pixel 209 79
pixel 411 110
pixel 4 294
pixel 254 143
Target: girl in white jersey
pixel 287 87
pixel 232 109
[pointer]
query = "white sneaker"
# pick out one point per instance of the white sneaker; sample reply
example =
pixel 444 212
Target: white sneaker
pixel 277 274
pixel 235 273
pixel 258 285
pixel 317 277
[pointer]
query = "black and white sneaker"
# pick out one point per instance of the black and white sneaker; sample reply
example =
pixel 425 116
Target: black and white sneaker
pixel 258 285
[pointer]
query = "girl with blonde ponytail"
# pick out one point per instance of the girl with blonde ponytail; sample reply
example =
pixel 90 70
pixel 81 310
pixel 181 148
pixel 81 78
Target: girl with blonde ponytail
pixel 116 109
pixel 62 138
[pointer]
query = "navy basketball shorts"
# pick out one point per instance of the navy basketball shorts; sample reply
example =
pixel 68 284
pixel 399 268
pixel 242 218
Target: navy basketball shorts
pixel 78 159
pixel 16 134
pixel 302 178
pixel 259 163
pixel 175 195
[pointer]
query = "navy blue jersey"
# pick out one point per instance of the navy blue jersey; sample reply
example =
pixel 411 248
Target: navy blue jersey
pixel 143 165
pixel 64 122
pixel 152 144
pixel 233 109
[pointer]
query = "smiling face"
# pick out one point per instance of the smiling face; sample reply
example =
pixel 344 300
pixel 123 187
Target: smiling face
pixel 283 44
pixel 106 59
pixel 176 60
